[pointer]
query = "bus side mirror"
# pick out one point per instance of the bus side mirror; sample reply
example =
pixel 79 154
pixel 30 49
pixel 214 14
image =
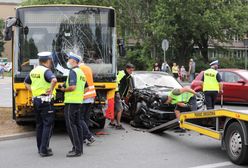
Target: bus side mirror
pixel 8 32
pixel 121 47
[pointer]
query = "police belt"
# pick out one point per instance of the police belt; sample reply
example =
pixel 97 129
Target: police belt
pixel 45 98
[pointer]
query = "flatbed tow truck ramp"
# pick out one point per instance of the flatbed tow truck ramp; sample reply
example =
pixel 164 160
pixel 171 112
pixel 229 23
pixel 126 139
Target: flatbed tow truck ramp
pixel 228 126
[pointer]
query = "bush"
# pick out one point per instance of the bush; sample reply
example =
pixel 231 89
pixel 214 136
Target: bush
pixel 138 58
pixel 225 62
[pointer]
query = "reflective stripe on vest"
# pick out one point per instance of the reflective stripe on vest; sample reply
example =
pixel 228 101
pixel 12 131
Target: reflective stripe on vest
pixel 76 96
pixel 39 85
pixel 210 82
pixel 182 98
pixel 91 93
pixel 120 75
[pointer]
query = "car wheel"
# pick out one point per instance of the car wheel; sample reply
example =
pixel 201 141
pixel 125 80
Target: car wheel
pixel 101 123
pixel 200 100
pixel 234 140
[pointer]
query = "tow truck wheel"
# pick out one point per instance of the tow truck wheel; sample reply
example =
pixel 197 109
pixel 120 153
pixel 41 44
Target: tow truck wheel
pixel 234 140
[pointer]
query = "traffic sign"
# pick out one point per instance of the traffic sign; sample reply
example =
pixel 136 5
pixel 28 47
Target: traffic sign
pixel 165 44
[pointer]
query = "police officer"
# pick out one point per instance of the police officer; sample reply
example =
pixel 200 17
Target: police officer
pixel 212 84
pixel 123 81
pixel 41 82
pixel 183 98
pixel 74 91
pixel 88 100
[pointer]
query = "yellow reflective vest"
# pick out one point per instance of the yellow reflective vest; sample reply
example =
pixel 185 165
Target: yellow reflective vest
pixel 39 85
pixel 210 81
pixel 76 96
pixel 182 98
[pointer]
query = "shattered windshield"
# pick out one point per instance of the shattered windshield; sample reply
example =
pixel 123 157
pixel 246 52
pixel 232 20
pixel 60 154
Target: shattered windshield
pixel 149 79
pixel 86 31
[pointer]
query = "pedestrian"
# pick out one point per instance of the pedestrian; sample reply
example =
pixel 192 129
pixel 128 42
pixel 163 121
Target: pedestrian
pixel 191 71
pixel 212 84
pixel 183 98
pixel 156 67
pixel 183 73
pixel 165 67
pixel 89 99
pixel 41 82
pixel 2 71
pixel 175 70
pixel 74 92
pixel 123 81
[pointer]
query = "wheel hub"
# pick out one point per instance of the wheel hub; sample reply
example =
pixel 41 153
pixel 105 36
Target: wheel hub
pixel 200 100
pixel 236 144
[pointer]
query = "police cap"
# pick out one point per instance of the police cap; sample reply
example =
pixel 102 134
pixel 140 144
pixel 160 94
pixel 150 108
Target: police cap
pixel 216 62
pixel 43 56
pixel 74 56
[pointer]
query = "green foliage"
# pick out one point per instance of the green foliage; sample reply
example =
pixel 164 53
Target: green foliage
pixel 225 62
pixel 1 37
pixel 185 23
pixel 138 57
pixel 195 22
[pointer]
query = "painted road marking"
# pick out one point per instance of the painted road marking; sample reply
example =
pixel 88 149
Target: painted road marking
pixel 215 165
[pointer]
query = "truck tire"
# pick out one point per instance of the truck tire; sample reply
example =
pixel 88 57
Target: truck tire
pixel 235 147
pixel 20 123
pixel 101 123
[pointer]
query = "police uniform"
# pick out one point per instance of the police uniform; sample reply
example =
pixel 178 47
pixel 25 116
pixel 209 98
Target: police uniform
pixel 40 80
pixel 73 102
pixel 123 82
pixel 88 100
pixel 211 87
pixel 186 97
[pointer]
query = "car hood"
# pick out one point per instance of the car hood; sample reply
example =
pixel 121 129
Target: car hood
pixel 160 91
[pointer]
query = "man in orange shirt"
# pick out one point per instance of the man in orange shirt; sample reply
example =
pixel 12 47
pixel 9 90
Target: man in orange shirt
pixel 89 98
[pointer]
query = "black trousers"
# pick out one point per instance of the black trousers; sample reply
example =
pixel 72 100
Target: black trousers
pixel 44 123
pixel 74 126
pixel 85 120
pixel 210 99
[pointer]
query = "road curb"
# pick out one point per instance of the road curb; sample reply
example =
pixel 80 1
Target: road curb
pixel 17 136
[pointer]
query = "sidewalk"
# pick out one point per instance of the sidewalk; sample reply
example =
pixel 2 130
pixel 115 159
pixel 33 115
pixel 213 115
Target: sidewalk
pixel 8 127
pixel 6 92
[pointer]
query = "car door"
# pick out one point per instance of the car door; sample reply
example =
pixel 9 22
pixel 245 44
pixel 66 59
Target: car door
pixel 233 90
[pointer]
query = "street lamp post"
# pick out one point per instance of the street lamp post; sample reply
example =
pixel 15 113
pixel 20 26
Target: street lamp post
pixel 246 50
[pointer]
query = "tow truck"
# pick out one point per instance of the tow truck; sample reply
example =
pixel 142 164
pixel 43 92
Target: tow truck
pixel 228 126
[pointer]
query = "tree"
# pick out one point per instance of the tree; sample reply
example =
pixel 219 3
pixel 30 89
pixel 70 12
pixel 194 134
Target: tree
pixel 185 23
pixel 197 22
pixel 1 37
pixel 132 17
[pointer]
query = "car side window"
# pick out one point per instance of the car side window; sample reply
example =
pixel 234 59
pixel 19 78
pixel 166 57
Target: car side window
pixel 221 75
pixel 231 77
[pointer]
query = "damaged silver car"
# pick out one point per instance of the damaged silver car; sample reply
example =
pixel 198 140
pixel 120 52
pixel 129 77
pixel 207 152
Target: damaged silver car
pixel 143 105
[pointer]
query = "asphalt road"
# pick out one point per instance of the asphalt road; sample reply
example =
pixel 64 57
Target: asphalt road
pixel 122 149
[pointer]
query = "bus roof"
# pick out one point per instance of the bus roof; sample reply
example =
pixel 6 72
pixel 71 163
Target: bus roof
pixel 64 5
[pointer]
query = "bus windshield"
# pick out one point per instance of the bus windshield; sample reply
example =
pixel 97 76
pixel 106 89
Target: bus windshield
pixel 86 31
